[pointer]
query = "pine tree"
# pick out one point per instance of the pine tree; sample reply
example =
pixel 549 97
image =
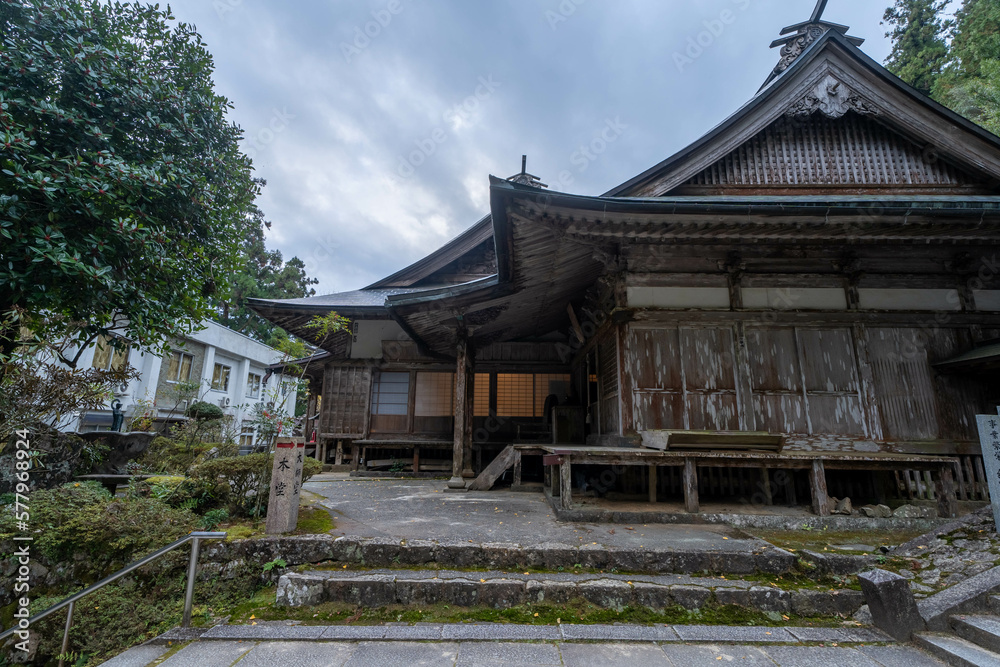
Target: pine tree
pixel 919 51
pixel 971 82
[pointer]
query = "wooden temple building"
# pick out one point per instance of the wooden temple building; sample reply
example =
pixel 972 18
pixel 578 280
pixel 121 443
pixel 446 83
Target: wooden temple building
pixel 811 288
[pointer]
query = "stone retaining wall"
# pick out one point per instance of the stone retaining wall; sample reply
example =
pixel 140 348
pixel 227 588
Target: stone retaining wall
pixel 387 553
pixel 383 590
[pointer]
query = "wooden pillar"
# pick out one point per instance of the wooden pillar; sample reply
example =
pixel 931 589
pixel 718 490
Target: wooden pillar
pixel 470 404
pixel 691 502
pixel 463 418
pixel 416 459
pixel 355 456
pixel 566 485
pixel 652 483
pixel 339 456
pixel 947 500
pixel 517 469
pixel 817 482
pixel 790 494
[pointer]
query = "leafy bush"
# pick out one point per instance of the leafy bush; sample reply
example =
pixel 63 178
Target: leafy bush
pixel 212 519
pixel 171 457
pixel 203 411
pixel 238 479
pixel 84 524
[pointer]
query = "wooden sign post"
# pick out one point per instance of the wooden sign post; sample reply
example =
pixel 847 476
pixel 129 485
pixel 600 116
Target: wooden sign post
pixel 989 437
pixel 286 484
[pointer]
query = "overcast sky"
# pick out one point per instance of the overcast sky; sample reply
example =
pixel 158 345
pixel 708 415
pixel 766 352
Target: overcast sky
pixel 377 149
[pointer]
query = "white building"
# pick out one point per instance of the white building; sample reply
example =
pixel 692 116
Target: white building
pixel 229 369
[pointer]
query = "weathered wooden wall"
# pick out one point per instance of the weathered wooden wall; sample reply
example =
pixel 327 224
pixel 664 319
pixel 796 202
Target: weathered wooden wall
pixel 827 387
pixel 346 395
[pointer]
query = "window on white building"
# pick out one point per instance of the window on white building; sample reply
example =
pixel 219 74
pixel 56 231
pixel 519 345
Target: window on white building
pixel 246 435
pixel 220 377
pixel 253 385
pixel 179 369
pixel 107 356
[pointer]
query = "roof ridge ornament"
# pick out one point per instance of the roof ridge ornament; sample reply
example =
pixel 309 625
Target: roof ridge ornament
pixel 524 178
pixel 797 38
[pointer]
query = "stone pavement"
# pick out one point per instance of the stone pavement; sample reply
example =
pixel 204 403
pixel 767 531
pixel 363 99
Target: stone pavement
pixel 456 653
pixel 419 510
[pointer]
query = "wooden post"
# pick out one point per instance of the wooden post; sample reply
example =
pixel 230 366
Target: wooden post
pixel 517 470
pixel 652 483
pixel 339 457
pixel 355 457
pixel 470 404
pixel 790 494
pixel 565 485
pixel 321 454
pixel 947 501
pixel 416 459
pixel 691 502
pixel 457 482
pixel 817 482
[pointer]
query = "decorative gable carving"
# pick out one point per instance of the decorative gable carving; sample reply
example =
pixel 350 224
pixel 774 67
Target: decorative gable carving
pixel 833 98
pixel 832 147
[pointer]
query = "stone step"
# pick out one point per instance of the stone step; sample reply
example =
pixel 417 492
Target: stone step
pixel 286 631
pixel 957 651
pixel 994 604
pixel 982 630
pixel 388 553
pixel 500 590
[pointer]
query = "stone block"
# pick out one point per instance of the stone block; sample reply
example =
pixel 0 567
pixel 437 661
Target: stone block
pixel 606 593
pixel 501 593
pixel 594 557
pixel 300 590
pixel 380 552
pixel 417 592
pixel 501 555
pixel 550 592
pixel 732 596
pixel 552 556
pixel 766 599
pixel 651 596
pixel 346 550
pixel 628 560
pixel 458 592
pixel 417 552
pixel 370 591
pixel 891 603
pixel 824 603
pixel 457 554
pixel 690 597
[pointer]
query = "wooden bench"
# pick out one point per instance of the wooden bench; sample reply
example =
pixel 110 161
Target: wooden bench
pixel 816 463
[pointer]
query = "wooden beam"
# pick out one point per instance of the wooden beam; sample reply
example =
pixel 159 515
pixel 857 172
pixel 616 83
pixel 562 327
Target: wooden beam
pixel 947 501
pixel 457 482
pixel 691 503
pixel 817 482
pixel 577 329
pixel 566 486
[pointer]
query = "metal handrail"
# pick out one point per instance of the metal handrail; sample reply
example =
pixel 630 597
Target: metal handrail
pixel 195 538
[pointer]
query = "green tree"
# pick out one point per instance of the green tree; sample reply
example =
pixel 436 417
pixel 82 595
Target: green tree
pixel 971 82
pixel 123 194
pixel 919 51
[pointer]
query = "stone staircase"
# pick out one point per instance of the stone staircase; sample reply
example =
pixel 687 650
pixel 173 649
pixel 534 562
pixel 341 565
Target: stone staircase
pixel 974 640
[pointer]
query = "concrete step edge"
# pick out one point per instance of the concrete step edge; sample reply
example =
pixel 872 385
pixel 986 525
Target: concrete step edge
pixel 981 630
pixel 956 651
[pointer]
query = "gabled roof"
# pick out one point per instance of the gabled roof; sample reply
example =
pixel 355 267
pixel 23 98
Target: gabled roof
pixel 832 76
pixel 437 260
